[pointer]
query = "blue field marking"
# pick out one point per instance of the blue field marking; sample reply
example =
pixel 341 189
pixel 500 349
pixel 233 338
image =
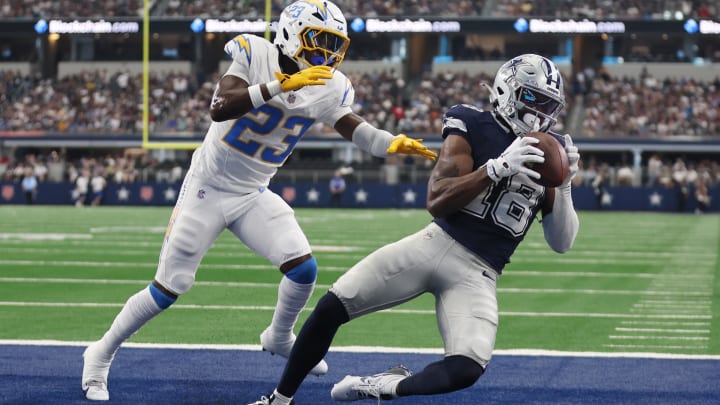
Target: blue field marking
pixel 51 375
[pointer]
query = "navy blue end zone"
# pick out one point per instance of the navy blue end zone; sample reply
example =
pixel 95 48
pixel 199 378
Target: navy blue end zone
pixel 51 375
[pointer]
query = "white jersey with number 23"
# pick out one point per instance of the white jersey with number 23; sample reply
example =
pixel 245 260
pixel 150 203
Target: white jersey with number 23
pixel 243 154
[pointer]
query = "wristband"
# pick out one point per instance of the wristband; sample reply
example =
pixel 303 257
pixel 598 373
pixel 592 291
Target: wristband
pixel 256 97
pixel 274 88
pixel 490 168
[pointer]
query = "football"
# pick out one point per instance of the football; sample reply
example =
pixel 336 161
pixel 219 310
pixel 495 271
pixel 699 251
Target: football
pixel 556 167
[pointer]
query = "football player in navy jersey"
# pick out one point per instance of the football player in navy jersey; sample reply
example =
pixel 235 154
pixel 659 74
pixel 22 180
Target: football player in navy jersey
pixel 483 200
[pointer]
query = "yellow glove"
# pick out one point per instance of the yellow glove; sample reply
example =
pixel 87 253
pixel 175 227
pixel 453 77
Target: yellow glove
pixel 307 77
pixel 402 144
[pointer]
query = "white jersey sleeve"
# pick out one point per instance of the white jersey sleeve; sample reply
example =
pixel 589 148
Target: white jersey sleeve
pixel 240 49
pixel 345 98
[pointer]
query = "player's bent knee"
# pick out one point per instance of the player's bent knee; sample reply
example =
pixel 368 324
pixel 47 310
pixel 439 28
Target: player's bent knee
pixel 305 272
pixel 463 371
pixel 161 298
pixel 182 283
pixel 330 310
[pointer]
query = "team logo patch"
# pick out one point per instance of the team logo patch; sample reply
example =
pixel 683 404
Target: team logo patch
pixel 8 192
pixel 146 193
pixel 289 194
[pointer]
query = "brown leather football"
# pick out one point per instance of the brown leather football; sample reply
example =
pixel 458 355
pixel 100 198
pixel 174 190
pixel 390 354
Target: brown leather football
pixel 556 167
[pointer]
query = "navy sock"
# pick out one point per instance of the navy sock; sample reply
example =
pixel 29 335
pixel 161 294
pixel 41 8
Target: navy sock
pixel 450 374
pixel 313 342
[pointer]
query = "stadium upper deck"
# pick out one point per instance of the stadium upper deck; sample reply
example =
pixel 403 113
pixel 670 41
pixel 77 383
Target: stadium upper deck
pixel 605 9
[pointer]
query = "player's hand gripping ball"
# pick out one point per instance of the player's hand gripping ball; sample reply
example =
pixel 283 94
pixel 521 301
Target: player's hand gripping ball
pixel 555 169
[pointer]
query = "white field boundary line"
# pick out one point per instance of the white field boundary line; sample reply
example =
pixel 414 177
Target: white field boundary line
pixel 324 286
pixel 372 349
pixel 530 273
pixel 331 246
pixel 391 311
pixel 565 261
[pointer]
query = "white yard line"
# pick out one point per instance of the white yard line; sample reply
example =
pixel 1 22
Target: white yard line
pixel 256 267
pixel 380 349
pixel 393 311
pixel 642 337
pixel 663 330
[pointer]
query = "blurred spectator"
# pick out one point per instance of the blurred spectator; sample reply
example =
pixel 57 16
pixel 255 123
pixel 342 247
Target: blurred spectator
pixel 81 188
pixel 55 167
pixel 625 176
pixel 654 170
pixel 98 184
pixel 600 183
pixel 29 186
pixel 701 196
pixel 337 188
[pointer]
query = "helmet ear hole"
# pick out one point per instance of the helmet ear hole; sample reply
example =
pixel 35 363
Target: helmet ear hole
pixel 500 91
pixel 285 34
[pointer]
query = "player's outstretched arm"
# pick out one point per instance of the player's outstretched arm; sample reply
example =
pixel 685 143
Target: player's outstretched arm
pixel 234 97
pixel 560 222
pixel 379 142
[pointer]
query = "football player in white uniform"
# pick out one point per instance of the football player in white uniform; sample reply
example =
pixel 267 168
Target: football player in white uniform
pixel 483 201
pixel 263 105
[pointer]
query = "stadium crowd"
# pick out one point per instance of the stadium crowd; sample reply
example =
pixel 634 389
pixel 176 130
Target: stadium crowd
pixel 100 102
pixel 647 107
pixel 88 102
pixel 625 9
pixel 606 9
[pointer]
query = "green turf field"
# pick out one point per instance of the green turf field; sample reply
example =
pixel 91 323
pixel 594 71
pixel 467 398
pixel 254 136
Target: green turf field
pixel 634 282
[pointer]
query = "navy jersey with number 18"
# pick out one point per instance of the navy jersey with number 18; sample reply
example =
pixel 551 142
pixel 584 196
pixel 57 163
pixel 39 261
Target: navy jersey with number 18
pixel 496 221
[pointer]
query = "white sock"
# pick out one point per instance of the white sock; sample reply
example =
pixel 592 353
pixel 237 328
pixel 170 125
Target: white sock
pixel 281 399
pixel 138 309
pixel 292 298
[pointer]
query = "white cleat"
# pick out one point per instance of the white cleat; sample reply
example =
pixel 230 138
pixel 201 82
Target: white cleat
pixel 378 386
pixel 95 373
pixel 283 348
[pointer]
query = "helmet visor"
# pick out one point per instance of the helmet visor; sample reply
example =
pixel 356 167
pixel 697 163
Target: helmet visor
pixel 323 47
pixel 538 101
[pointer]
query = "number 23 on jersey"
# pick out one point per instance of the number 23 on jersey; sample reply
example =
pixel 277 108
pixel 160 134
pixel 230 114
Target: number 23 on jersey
pixel 266 134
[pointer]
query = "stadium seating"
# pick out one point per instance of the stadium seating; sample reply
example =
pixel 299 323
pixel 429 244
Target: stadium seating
pixel 599 9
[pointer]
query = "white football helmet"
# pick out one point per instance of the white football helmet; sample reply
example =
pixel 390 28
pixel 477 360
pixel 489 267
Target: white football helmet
pixel 313 32
pixel 528 93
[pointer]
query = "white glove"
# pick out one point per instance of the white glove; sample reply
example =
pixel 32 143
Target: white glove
pixel 514 159
pixel 573 158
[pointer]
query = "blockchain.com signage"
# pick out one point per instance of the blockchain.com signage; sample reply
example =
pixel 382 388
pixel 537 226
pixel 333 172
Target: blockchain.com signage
pixel 404 25
pixel 86 27
pixel 539 25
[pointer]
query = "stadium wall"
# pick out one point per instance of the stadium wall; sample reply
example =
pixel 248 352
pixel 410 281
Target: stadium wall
pixel 135 68
pixel 23 67
pixel 363 196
